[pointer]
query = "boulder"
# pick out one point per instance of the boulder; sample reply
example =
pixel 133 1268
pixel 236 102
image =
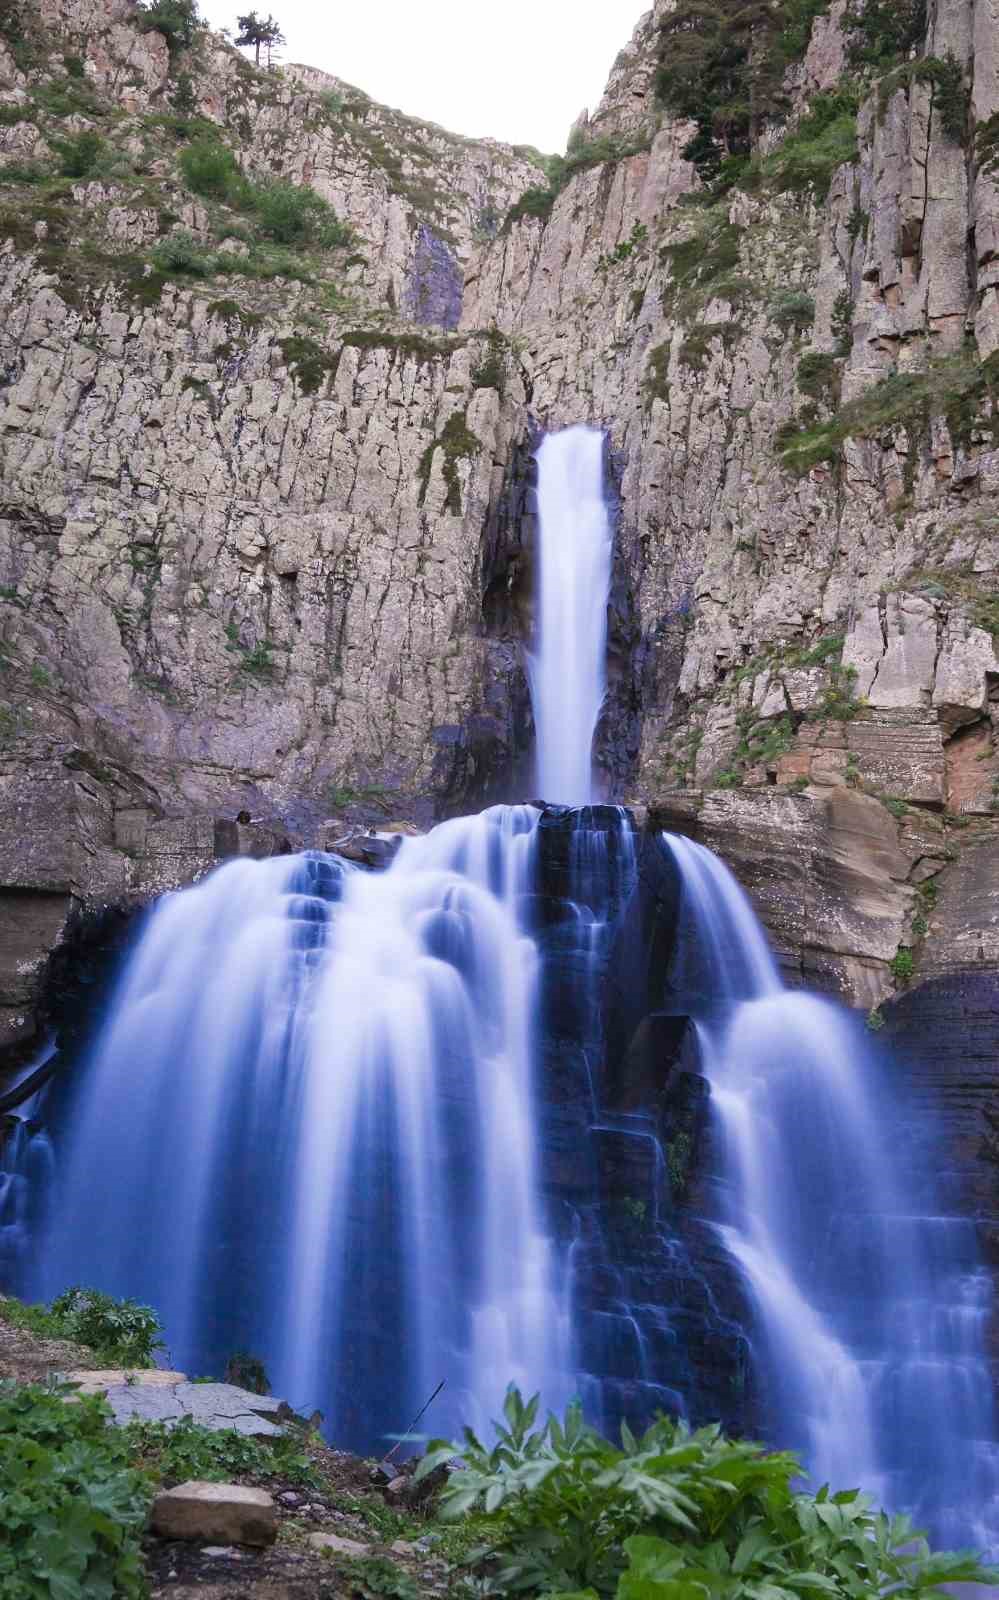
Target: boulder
pixel 336 1545
pixel 215 1513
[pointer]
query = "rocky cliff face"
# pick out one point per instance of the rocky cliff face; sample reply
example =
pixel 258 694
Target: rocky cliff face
pixel 265 533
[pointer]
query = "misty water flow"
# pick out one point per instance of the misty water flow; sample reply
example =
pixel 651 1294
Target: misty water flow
pixel 870 1344
pixel 306 1131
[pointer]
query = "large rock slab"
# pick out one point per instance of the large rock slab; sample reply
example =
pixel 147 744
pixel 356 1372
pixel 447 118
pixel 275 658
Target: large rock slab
pixel 215 1513
pixel 154 1396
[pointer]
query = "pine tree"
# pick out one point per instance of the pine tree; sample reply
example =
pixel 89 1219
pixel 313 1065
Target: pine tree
pixel 259 31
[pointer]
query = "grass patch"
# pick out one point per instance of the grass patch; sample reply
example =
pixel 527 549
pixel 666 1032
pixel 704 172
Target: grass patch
pixel 606 149
pixel 458 444
pixel 822 141
pixel 173 1454
pixel 956 387
pixel 704 266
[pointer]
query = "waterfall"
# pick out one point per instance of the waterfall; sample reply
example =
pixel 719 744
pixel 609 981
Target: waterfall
pixel 871 1307
pixel 566 669
pixel 306 1132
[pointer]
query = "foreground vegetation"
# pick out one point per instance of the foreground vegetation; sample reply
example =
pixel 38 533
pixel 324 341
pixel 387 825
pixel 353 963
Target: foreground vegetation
pixel 674 1515
pixel 548 1509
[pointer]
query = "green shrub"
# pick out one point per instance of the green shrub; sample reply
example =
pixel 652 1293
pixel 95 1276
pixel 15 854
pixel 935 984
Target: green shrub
pixel 722 65
pixel 875 1019
pixel 121 1333
pixel 491 370
pixel 956 387
pixel 884 30
pixel 210 169
pixel 674 1515
pixel 818 376
pixel 78 156
pixel 951 96
pixel 72 1510
pixel 181 252
pixel 535 202
pixel 902 966
pixel 123 1328
pixel 987 144
pixel 309 364
pixel 792 309
pixel 378 1578
pixel 11 22
pixel 176 20
pixel 24 172
pixel 291 214
pixel 583 154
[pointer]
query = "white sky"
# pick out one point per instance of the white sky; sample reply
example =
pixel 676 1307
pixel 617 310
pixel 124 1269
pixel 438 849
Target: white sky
pixel 519 70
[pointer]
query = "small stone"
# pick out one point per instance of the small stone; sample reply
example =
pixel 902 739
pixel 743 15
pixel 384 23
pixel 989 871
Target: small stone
pixel 397 1486
pixel 333 1542
pixel 222 1550
pixel 290 1498
pixel 224 1513
pixel 400 1547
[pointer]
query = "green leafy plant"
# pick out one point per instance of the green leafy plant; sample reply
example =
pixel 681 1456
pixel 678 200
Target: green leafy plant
pixel 875 1019
pixel 902 966
pixel 821 142
pixel 673 1515
pixel 185 1449
pixel 884 30
pixel 375 1577
pixel 72 1510
pixel 129 1331
pixel 634 1208
pixel 792 309
pixel 491 370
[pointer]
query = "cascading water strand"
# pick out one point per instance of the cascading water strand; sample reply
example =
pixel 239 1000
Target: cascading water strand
pixel 868 1365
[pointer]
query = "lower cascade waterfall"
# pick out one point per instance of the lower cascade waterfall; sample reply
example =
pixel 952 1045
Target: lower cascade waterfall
pixel 871 1308
pixel 312 1129
pixel 306 1132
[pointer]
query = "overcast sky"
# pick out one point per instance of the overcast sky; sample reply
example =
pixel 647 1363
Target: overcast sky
pixel 519 70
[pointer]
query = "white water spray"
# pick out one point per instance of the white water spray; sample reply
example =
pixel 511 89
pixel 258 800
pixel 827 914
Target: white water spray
pixel 567 668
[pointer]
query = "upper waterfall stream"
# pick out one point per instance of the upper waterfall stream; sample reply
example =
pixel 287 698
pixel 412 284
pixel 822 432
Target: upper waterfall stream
pixel 567 666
